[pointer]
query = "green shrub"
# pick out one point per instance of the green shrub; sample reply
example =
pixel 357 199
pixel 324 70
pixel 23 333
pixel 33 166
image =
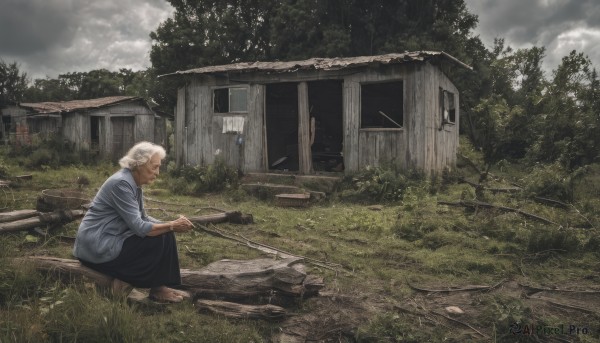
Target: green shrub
pixel 4 173
pixel 41 158
pixel 195 180
pixel 553 181
pixel 51 152
pixel 377 184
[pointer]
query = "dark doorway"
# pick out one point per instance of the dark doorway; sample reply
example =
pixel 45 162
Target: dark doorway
pixel 95 133
pixel 325 107
pixel 281 115
pixel 122 128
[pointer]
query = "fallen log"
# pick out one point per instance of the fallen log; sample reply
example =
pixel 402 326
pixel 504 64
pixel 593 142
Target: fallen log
pixel 235 217
pixel 42 219
pixel 241 311
pixel 225 278
pixel 69 268
pixel 236 279
pixel 17 215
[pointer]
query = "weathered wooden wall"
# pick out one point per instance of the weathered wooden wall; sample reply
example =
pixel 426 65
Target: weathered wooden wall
pixel 419 144
pixel 120 126
pixel 373 147
pixel 441 140
pixel 202 138
pixel 76 129
pixel 44 126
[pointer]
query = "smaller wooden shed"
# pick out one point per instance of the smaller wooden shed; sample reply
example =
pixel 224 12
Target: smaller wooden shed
pixel 106 126
pixel 321 114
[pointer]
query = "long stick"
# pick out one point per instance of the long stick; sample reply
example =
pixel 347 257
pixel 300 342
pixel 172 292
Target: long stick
pixel 390 119
pixel 257 245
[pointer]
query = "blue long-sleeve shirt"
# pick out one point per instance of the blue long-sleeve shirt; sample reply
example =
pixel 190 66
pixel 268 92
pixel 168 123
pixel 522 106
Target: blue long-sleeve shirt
pixel 116 213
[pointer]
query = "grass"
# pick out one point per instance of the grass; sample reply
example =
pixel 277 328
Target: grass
pixel 411 241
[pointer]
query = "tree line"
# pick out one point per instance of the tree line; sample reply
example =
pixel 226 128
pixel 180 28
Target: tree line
pixel 510 108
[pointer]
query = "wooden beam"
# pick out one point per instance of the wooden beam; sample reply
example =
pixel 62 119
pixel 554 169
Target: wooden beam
pixel 304 151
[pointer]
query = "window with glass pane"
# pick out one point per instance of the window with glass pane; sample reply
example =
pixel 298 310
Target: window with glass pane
pixel 237 100
pixel 228 100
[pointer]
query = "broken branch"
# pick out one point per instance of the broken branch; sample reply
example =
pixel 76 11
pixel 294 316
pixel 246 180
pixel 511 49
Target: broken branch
pixel 457 289
pixel 478 204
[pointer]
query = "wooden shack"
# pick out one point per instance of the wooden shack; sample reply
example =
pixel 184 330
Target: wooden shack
pixel 106 126
pixel 321 114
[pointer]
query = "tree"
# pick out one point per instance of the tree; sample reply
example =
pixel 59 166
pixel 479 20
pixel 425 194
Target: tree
pixel 93 84
pixel 209 32
pixel 569 131
pixel 13 83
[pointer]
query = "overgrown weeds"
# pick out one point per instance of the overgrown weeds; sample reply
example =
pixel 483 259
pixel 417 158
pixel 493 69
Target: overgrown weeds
pixel 410 237
pixel 197 180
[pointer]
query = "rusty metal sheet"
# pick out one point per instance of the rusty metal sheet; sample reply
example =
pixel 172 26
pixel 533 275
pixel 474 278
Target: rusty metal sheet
pixel 336 63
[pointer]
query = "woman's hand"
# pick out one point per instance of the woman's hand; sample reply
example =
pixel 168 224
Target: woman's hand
pixel 181 224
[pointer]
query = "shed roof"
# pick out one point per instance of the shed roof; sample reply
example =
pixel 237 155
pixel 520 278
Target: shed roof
pixel 336 63
pixel 75 105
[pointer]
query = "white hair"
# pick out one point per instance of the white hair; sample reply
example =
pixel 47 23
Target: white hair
pixel 140 154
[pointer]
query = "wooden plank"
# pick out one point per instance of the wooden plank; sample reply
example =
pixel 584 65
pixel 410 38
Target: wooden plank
pixel 144 128
pixel 351 106
pixel 254 158
pixel 180 110
pixel 304 151
pixel 204 139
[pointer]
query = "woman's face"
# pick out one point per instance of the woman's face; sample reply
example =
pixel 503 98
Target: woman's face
pixel 147 173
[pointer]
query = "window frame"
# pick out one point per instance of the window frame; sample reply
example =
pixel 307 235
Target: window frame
pixel 229 96
pixel 450 118
pixel 392 126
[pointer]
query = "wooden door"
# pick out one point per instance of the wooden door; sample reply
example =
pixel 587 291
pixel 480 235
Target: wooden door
pixel 123 135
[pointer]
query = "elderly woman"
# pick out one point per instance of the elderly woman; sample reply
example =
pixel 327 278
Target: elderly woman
pixel 116 237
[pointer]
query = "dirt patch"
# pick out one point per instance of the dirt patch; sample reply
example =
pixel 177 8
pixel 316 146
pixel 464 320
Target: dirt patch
pixel 508 312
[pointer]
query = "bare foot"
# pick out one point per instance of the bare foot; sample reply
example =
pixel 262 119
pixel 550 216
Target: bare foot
pixel 164 294
pixel 183 294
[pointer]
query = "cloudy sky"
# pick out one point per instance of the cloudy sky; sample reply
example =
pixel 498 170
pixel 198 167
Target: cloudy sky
pixel 50 37
pixel 558 25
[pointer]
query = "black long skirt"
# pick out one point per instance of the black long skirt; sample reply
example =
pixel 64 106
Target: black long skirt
pixel 144 262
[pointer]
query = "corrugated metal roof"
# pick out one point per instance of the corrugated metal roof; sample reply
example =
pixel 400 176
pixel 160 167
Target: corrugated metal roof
pixel 336 63
pixel 74 105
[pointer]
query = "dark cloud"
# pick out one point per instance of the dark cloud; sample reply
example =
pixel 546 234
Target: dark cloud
pixel 34 26
pixel 52 37
pixel 558 25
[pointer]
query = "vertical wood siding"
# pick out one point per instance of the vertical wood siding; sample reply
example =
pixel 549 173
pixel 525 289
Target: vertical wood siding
pixel 76 128
pixel 180 111
pixel 254 131
pixel 441 141
pixel 364 147
pixel 420 144
pixel 304 157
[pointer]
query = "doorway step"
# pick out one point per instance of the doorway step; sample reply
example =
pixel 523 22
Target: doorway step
pixel 267 186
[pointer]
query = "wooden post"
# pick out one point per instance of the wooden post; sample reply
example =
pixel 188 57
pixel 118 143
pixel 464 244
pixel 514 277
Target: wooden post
pixel 304 152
